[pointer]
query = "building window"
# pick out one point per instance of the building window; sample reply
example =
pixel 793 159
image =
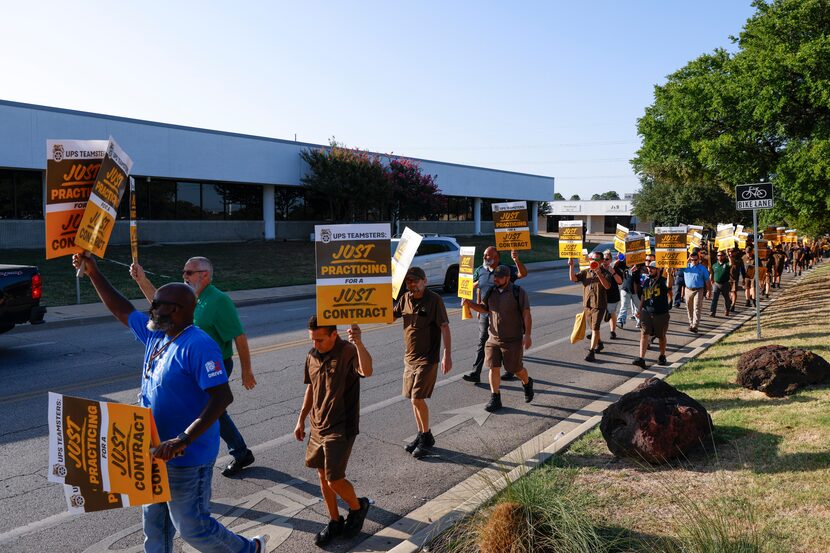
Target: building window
pixel 188 201
pixel 21 194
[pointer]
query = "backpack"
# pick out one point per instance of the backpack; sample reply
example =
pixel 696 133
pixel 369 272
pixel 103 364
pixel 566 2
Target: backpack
pixel 516 293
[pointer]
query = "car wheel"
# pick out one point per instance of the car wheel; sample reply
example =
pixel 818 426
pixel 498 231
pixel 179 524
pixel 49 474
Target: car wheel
pixel 451 280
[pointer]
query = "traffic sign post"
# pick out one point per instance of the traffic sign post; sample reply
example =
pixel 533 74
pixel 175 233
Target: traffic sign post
pixel 755 196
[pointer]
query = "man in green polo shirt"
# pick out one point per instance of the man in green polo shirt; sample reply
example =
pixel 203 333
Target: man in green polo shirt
pixel 216 315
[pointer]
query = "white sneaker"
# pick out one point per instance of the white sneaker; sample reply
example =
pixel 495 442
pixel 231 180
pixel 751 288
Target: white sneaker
pixel 260 542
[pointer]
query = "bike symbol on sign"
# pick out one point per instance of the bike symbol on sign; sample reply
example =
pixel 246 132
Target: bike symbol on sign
pixel 754 192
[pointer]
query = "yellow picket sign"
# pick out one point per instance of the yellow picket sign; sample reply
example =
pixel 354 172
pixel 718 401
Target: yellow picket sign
pixel 354 277
pixel 510 224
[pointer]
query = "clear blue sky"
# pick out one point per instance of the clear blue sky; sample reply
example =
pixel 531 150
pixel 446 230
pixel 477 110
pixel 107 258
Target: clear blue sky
pixel 551 88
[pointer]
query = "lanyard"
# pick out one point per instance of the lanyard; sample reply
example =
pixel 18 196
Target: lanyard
pixel 149 366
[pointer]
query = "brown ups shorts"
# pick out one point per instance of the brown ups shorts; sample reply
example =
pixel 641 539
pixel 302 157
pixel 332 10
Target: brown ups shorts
pixel 654 325
pixel 508 355
pixel 330 453
pixel 419 380
pixel 594 318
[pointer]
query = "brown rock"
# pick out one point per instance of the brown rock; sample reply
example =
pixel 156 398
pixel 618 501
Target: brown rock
pixel 655 422
pixel 778 370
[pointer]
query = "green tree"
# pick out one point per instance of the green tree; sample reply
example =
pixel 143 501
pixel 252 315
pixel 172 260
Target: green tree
pixel 351 183
pixel 611 195
pixel 558 196
pixel 413 194
pixel 575 198
pixel 760 114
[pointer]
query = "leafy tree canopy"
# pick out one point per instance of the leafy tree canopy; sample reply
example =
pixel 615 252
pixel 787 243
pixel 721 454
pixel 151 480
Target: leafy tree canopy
pixel 575 198
pixel 760 114
pixel 357 185
pixel 611 195
pixel 558 196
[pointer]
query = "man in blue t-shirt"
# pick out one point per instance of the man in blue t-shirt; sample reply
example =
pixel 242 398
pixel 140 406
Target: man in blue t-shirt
pixel 483 281
pixel 184 383
pixel 696 281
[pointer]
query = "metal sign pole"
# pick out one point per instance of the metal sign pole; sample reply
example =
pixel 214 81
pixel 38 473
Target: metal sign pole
pixel 757 272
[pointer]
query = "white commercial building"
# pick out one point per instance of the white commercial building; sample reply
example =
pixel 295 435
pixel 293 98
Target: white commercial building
pixel 598 216
pixel 204 185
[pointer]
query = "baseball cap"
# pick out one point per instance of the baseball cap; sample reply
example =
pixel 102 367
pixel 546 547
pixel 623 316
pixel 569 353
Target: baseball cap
pixel 652 265
pixel 502 271
pixel 416 273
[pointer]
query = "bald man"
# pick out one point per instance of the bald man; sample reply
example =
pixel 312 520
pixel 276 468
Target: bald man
pixel 185 385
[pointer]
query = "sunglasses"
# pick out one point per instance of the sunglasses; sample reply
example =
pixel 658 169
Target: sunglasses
pixel 188 273
pixel 156 303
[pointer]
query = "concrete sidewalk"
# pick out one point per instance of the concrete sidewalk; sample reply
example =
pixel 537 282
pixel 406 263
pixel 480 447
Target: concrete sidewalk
pixel 95 312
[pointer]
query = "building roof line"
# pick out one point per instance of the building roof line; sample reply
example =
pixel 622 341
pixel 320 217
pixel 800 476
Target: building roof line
pixel 242 135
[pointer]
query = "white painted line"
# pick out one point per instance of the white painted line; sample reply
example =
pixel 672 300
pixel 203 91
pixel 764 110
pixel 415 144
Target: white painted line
pixel 35 345
pixel 47 522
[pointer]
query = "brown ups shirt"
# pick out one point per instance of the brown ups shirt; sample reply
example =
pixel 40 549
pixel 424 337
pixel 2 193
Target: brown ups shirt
pixel 594 294
pixel 506 314
pixel 422 320
pixel 335 389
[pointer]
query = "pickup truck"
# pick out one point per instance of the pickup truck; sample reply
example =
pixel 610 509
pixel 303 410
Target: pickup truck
pixel 20 291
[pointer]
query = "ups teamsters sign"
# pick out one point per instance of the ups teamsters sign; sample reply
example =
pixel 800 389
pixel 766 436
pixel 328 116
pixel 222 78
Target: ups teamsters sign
pixel 510 225
pixel 670 246
pixel 100 452
pixel 71 169
pixel 354 275
pixel 99 216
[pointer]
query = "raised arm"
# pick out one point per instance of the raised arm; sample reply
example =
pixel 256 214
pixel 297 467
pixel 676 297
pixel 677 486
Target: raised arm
pixel 571 274
pixel 147 288
pixel 364 360
pixel 520 267
pixel 117 304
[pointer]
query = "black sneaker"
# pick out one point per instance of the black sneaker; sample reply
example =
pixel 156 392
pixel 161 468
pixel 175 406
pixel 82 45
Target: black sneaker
pixel 354 521
pixel 528 390
pixel 410 447
pixel 494 404
pixel 590 357
pixel 474 377
pixel 640 362
pixel 588 336
pixel 507 376
pixel 748 302
pixel 662 360
pixel 613 335
pixel 333 529
pixel 600 347
pixel 427 441
pixel 236 465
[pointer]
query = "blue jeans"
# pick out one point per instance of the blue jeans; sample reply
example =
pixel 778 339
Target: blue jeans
pixel 483 334
pixel 227 429
pixel 188 512
pixel 627 300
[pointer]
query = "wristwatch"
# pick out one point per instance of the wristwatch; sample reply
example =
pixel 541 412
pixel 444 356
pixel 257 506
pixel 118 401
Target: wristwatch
pixel 185 438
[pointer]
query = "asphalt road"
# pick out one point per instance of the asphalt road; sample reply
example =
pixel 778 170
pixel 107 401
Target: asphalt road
pixel 278 494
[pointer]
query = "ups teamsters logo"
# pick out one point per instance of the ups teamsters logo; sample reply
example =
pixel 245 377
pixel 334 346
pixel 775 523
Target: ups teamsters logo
pixel 325 236
pixel 57 152
pixel 77 500
pixel 59 470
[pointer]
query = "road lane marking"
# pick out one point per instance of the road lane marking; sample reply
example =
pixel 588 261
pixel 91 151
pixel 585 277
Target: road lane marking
pixel 35 345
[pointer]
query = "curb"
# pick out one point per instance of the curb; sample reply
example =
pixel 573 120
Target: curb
pixel 414 531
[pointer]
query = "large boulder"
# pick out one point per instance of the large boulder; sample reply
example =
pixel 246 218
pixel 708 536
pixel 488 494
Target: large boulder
pixel 655 422
pixel 778 370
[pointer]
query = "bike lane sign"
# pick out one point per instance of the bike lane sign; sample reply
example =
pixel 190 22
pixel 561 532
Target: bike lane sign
pixel 753 196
